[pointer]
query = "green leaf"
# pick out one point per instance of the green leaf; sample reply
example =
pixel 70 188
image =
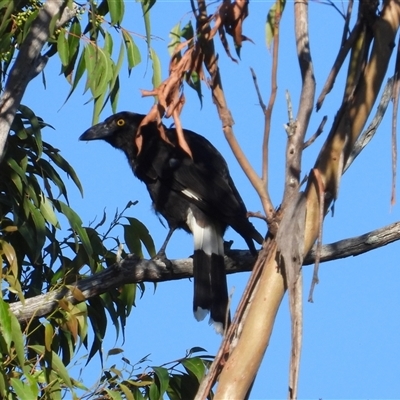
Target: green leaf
pixel 9 252
pixel 66 167
pixel 154 392
pixel 96 241
pixel 76 225
pixel 26 112
pixel 182 386
pixel 144 235
pixel 30 239
pixel 40 227
pixel 126 391
pixel 16 180
pixel 114 96
pixel 19 343
pixel 99 104
pixel 80 69
pixel 187 31
pixel 48 336
pixel 46 208
pixel 114 83
pixel 5 326
pixel 195 366
pixel 50 173
pixel 108 44
pixel 99 69
pixel 270 23
pixel 132 51
pixel 147 5
pixel 55 363
pixel 82 320
pixel 156 79
pixel 74 37
pixel 162 381
pixel 132 240
pixel 196 349
pixel 90 60
pixel 109 306
pixel 63 48
pixel 195 83
pixel 113 352
pixel 4 388
pixel 28 23
pixel 24 390
pixel 114 395
pixel 17 168
pixel 116 9
pixel 175 35
pixel 127 296
pixel 6 17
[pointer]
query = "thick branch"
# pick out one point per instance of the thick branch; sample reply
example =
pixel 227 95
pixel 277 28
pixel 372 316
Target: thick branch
pixel 133 270
pixel 28 64
pixel 294 148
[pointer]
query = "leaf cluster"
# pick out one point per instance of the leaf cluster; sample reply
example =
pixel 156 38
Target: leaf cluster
pixel 16 18
pixel 37 258
pixel 178 379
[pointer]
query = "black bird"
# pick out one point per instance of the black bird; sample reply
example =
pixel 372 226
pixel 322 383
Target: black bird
pixel 196 194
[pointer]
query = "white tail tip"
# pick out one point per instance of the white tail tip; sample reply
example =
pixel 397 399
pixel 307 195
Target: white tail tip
pixel 218 326
pixel 200 313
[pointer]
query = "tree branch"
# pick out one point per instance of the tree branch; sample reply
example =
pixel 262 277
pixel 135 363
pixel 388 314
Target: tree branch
pixel 28 64
pixel 134 270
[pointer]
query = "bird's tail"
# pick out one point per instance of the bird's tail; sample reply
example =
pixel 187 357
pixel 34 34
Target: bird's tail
pixel 210 287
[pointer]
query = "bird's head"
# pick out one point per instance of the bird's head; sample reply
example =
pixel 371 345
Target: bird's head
pixel 119 130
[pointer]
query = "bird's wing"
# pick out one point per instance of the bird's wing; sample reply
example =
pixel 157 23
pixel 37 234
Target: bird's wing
pixel 205 179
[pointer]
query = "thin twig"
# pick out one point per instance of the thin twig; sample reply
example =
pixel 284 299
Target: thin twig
pixel 346 30
pixel 332 4
pixel 395 97
pixel 267 111
pixel 274 88
pixel 218 96
pixel 260 99
pixel 369 133
pixel 344 50
pixel 320 129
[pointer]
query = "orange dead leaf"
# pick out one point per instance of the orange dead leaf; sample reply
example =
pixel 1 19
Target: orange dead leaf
pixel 169 93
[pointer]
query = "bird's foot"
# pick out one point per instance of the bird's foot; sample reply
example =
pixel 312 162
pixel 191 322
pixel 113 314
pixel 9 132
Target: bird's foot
pixel 161 256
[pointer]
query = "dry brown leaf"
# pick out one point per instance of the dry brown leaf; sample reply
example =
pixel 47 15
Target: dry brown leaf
pixel 237 12
pixel 169 93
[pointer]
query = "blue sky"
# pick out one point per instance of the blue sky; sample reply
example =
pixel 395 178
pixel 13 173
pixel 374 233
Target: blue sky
pixel 351 345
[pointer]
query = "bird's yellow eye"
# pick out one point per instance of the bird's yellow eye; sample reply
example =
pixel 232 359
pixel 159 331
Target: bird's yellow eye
pixel 121 122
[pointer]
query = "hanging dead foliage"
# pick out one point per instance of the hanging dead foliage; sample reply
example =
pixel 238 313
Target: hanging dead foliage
pixel 170 95
pixel 229 19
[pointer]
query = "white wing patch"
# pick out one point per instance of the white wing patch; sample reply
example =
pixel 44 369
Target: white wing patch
pixel 190 194
pixel 205 238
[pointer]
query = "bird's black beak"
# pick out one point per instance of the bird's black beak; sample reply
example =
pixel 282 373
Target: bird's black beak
pixel 99 131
